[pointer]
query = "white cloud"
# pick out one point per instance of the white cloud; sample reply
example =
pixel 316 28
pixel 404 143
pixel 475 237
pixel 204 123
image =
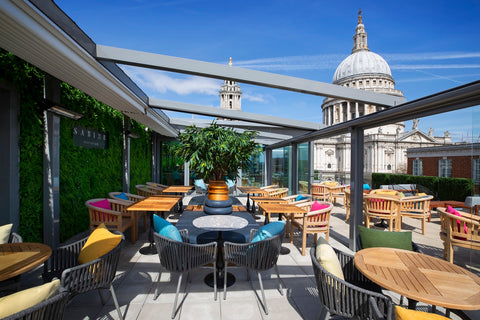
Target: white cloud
pixel 160 82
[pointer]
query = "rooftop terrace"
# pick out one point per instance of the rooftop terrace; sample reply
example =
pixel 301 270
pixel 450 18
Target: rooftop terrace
pixel 137 273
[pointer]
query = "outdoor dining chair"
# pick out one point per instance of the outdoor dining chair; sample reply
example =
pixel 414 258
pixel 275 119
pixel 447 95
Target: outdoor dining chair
pixel 51 309
pixel 320 192
pixel 77 278
pixel 381 207
pixel 257 256
pixel 182 257
pixel 347 297
pixel 131 198
pixel 144 191
pixel 416 207
pixel 315 221
pixel 112 214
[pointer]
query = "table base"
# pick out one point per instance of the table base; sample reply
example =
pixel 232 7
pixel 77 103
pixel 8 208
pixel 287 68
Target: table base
pixel 220 280
pixel 148 250
pixel 284 250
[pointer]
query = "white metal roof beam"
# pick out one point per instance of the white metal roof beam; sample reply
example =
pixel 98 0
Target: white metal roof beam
pixel 232 114
pixel 266 79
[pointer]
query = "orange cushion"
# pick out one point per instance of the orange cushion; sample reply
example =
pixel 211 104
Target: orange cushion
pixel 386 191
pixel 404 314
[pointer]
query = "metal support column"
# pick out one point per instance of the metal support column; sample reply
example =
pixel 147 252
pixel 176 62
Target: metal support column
pixel 126 155
pixel 268 167
pixel 294 169
pixel 311 161
pixel 51 167
pixel 356 184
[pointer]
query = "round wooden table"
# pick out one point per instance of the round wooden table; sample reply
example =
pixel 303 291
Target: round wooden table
pixel 420 277
pixel 17 258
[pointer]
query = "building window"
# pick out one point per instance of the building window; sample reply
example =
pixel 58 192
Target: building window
pixel 476 171
pixel 417 169
pixel 445 168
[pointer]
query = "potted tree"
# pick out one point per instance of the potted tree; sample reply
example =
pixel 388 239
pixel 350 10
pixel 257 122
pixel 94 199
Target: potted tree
pixel 217 153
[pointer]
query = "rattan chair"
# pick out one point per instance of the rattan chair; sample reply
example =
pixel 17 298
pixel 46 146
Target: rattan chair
pixel 256 256
pixel 313 222
pixel 116 219
pixel 376 313
pixel 51 309
pixel 15 238
pixel 182 257
pixel 157 185
pixel 77 279
pixel 347 298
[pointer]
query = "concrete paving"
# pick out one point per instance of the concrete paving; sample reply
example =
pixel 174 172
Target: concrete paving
pixel 137 275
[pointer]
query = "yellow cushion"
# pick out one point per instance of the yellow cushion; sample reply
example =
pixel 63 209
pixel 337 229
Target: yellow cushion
pixel 27 298
pixel 392 192
pixel 330 183
pixel 100 242
pixel 328 259
pixel 421 194
pixel 404 314
pixel 5 233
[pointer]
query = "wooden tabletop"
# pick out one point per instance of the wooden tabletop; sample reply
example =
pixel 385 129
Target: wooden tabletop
pixel 420 277
pixel 177 189
pixel 268 199
pixel 285 208
pixel 256 190
pixel 155 203
pixel 17 258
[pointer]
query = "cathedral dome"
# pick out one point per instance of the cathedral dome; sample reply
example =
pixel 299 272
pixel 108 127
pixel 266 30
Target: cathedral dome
pixel 362 62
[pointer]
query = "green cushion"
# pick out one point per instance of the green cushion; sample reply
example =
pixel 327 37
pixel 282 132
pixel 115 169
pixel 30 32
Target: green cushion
pixel 389 239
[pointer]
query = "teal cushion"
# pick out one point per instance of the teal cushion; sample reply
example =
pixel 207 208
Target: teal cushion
pixel 230 183
pixel 366 186
pixel 200 183
pixel 389 239
pixel 165 228
pixel 122 196
pixel 300 197
pixel 269 230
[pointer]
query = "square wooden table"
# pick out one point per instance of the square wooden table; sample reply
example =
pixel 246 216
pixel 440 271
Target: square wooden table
pixel 251 190
pixel 263 199
pixel 420 277
pixel 154 204
pixel 182 190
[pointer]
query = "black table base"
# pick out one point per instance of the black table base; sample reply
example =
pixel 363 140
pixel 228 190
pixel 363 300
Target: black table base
pixel 148 250
pixel 220 280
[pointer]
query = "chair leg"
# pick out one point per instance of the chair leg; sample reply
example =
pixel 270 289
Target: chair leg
pixel 304 241
pixel 157 290
pixel 280 288
pixel 114 296
pixel 225 282
pixel 264 302
pixel 174 311
pixel 215 280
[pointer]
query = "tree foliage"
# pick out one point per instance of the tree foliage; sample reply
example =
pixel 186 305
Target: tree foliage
pixel 215 152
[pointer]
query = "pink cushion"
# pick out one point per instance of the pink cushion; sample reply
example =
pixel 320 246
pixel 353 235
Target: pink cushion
pixel 455 212
pixel 104 204
pixel 317 206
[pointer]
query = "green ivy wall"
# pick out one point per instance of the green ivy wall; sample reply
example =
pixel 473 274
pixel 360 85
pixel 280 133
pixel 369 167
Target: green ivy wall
pixel 84 173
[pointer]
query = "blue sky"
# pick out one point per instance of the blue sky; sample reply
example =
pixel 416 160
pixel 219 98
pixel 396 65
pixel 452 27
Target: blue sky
pixel 430 46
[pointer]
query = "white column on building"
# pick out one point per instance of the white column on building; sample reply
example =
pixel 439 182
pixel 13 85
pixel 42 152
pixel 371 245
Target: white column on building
pixel 349 112
pixel 341 112
pixel 356 109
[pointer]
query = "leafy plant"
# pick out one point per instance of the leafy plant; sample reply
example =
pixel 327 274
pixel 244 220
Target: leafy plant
pixel 215 152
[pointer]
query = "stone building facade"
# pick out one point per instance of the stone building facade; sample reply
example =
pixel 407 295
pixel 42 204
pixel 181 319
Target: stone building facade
pixel 386 146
